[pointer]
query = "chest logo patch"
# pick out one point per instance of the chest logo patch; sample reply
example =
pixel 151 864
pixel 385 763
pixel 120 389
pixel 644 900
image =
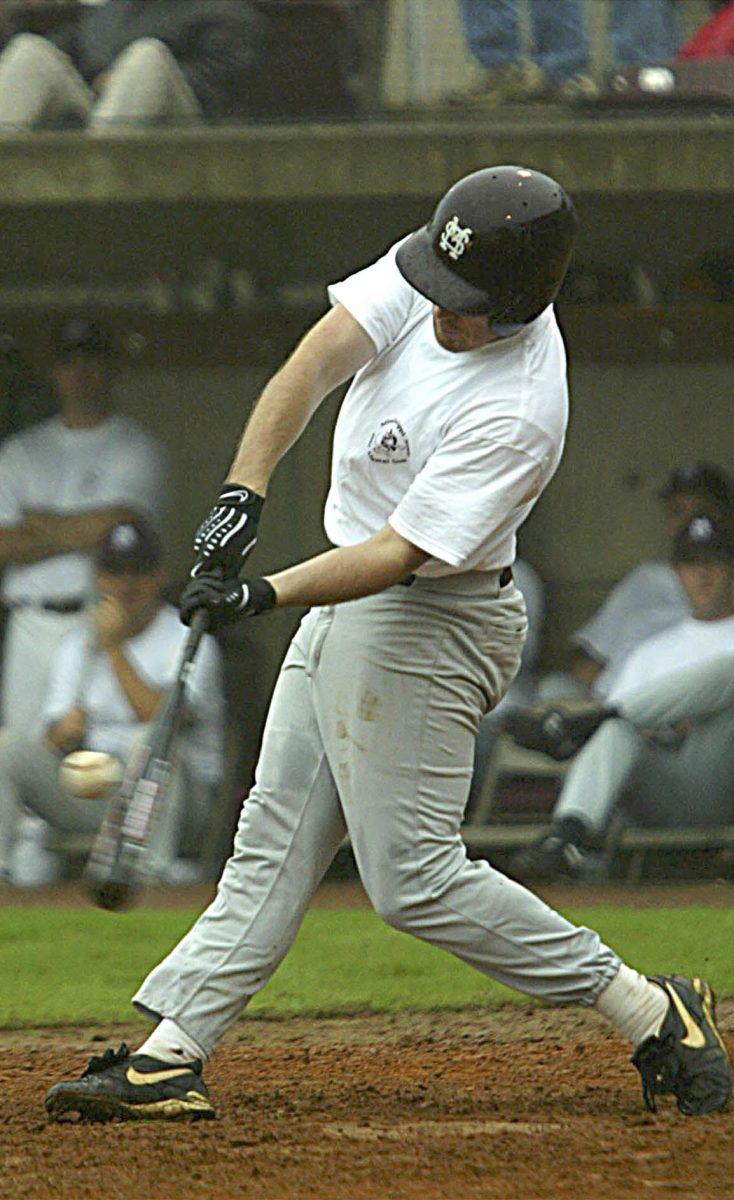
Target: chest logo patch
pixel 389 444
pixel 455 239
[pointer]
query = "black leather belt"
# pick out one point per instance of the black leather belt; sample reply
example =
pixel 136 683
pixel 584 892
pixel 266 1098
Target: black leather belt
pixel 504 579
pixel 63 607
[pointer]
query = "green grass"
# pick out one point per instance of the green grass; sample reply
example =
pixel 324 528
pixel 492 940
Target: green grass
pixel 64 965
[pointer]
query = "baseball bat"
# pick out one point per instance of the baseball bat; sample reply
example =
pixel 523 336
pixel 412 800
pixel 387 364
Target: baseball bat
pixel 115 870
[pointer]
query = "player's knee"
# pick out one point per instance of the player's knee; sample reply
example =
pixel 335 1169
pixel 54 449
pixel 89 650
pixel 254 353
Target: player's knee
pixel 28 47
pixel 142 51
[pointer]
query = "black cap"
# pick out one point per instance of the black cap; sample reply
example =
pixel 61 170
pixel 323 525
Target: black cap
pixel 84 337
pixel 704 540
pixel 498 245
pixel 701 479
pixel 129 547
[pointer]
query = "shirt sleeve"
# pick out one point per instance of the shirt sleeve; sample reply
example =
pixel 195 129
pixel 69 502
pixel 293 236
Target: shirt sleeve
pixel 469 489
pixel 61 695
pixel 378 297
pixel 602 635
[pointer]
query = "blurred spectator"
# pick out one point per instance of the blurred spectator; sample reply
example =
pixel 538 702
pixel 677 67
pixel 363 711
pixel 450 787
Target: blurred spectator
pixel 521 692
pixel 133 62
pixel 640 31
pixel 643 31
pixel 667 765
pixel 560 49
pixel 63 483
pixel 715 39
pixel 106 681
pixel 647 600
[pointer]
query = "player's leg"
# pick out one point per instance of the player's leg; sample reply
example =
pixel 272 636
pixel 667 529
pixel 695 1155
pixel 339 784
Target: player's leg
pixel 398 724
pixel 688 694
pixel 289 831
pixel 39 85
pixel 614 761
pixel 145 86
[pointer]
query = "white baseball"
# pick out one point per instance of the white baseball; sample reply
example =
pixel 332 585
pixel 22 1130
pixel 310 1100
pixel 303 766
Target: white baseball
pixel 90 774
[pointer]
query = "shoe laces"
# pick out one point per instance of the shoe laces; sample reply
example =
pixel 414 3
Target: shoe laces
pixel 656 1061
pixel 103 1062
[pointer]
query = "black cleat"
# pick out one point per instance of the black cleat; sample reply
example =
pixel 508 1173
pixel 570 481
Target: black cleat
pixel 555 732
pixel 553 857
pixel 687 1057
pixel 132 1087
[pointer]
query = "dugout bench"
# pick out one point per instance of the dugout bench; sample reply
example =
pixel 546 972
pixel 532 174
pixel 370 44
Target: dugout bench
pixel 514 808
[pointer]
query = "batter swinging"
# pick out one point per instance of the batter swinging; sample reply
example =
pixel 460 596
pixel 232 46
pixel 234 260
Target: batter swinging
pixel 452 427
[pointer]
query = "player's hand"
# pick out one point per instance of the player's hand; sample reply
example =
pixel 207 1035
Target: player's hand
pixel 111 623
pixel 226 600
pixel 227 535
pixel 67 734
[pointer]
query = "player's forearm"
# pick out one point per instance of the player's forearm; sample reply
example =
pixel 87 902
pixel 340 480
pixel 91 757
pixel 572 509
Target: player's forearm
pixel 78 530
pixel 349 572
pixel 142 698
pixel 329 354
pixel 18 544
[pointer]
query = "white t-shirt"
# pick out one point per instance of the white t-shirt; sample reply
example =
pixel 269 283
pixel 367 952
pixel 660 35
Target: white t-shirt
pixel 153 654
pixel 69 470
pixel 687 643
pixel 646 601
pixel 452 449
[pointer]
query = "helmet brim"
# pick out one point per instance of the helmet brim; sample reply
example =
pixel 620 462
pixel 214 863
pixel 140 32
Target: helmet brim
pixel 418 263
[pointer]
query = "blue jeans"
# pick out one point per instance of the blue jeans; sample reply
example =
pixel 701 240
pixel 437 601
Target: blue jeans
pixel 559 35
pixel 644 31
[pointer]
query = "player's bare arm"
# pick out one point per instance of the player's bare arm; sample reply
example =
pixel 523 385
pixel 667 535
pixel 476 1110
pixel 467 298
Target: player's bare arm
pixel 76 530
pixel 112 627
pixel 330 353
pixel 349 572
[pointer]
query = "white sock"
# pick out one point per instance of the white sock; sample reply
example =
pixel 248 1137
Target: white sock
pixel 170 1044
pixel 636 1007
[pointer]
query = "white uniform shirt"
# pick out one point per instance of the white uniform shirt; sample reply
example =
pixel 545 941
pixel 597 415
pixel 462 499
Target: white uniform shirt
pixel 153 654
pixel 452 449
pixel 69 470
pixel 687 643
pixel 646 601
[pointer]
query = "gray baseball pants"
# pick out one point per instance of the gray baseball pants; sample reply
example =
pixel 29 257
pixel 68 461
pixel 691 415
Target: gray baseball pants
pixel 686 783
pixel 371 731
pixel 40 86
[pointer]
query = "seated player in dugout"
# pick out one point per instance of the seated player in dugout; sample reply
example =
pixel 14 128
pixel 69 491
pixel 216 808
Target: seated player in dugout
pixel 650 598
pixel 637 751
pixel 452 427
pixel 106 681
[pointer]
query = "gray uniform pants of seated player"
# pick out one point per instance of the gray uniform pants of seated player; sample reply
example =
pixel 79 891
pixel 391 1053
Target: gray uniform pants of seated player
pixel 39 85
pixel 685 784
pixel 29 775
pixel 371 731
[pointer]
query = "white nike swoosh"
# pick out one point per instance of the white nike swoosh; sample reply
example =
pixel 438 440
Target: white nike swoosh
pixel 138 1077
pixel 695 1037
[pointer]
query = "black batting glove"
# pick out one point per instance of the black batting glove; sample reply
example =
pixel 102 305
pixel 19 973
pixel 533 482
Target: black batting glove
pixel 226 600
pixel 228 533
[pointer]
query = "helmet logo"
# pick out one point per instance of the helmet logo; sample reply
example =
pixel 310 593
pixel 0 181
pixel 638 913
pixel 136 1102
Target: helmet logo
pixel 455 239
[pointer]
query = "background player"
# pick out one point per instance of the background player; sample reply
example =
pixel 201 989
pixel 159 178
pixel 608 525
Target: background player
pixel 452 427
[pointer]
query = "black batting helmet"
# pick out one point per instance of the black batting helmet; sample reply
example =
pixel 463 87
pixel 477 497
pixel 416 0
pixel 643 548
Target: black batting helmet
pixel 497 245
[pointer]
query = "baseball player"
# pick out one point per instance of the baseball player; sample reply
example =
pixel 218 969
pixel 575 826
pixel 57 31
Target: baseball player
pixel 452 427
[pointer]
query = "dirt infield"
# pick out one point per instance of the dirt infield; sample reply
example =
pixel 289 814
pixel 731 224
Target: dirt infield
pixel 524 1104
pixel 528 1103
